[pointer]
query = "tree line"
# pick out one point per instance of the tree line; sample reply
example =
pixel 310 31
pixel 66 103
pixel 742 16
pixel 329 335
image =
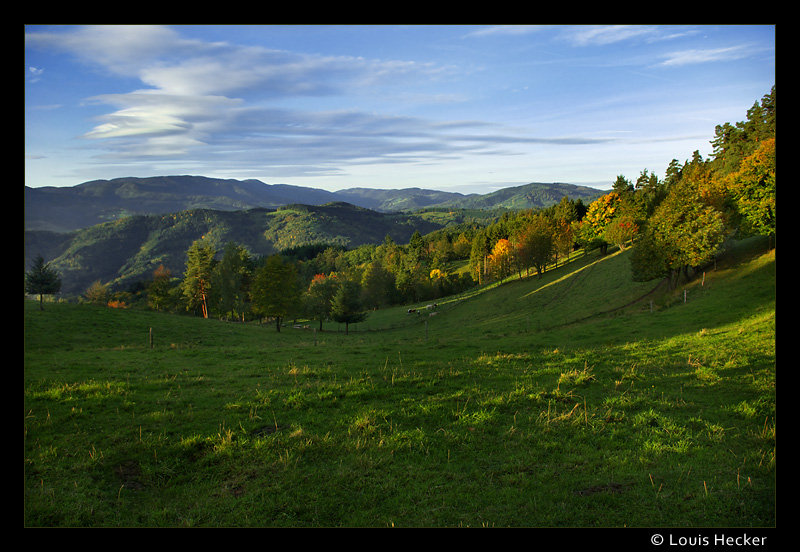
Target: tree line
pixel 678 223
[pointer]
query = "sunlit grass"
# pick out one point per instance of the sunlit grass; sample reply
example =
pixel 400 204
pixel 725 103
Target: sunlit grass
pixel 593 416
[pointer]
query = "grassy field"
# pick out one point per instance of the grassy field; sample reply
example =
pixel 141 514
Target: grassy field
pixel 581 399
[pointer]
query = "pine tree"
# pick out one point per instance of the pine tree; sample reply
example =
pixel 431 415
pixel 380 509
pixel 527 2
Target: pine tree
pixel 346 306
pixel 197 279
pixel 41 280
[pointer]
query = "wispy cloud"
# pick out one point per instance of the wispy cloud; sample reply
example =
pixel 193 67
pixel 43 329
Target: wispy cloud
pixel 506 30
pixel 693 57
pixel 34 74
pixel 217 100
pixel 597 35
pixel 286 102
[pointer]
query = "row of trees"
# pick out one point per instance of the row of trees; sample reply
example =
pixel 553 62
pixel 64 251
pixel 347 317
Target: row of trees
pixel 239 286
pixel 686 219
pixel 679 222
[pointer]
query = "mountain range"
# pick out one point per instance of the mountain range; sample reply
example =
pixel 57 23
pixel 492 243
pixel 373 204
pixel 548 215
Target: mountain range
pixel 118 231
pixel 70 208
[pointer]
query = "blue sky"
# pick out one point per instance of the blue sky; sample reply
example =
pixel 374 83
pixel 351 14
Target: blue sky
pixel 457 108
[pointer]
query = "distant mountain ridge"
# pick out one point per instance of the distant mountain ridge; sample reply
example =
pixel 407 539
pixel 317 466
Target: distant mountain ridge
pixel 71 208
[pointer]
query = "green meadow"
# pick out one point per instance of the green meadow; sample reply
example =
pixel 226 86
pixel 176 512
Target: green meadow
pixel 581 399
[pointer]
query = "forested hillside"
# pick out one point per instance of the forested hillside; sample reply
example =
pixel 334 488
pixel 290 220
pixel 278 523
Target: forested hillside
pixel 226 264
pixel 125 252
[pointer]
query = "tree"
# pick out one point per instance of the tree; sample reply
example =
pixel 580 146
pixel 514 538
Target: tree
pixel 563 238
pixel 346 307
pixel 501 258
pixel 535 244
pixel 622 185
pixel 231 279
pixel 752 188
pixel 196 284
pixel 620 231
pixel 566 210
pixel 650 191
pixel 683 232
pixel 158 292
pixel 318 297
pixel 274 291
pixel 599 215
pixel 97 293
pixel 416 247
pixel 42 280
pixel 733 143
pixel 648 259
pixel 481 247
pixel 378 285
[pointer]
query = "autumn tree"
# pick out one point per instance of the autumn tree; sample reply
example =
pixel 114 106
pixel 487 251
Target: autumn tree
pixel 600 214
pixel 752 189
pixel 42 280
pixel 317 298
pixel 274 291
pixel 501 259
pixel 97 293
pixel 682 233
pixel 620 231
pixel 563 238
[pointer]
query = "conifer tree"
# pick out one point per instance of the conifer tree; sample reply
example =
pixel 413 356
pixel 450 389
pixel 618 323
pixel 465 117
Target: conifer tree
pixel 346 307
pixel 42 280
pixel 197 279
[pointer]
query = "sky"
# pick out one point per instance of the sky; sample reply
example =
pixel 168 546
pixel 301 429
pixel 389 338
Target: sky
pixel 468 109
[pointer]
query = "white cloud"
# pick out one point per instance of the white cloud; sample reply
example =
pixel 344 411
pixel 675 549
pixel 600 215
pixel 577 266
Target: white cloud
pixel 692 57
pixel 210 101
pixel 33 74
pixel 215 107
pixel 598 35
pixel 506 30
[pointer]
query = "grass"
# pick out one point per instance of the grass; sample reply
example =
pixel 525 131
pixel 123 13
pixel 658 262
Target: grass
pixel 560 402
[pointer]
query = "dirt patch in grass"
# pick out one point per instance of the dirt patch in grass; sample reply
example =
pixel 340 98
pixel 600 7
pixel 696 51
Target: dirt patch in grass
pixel 130 474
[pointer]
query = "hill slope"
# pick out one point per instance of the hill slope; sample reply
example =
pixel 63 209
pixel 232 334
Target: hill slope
pixel 124 251
pixel 579 422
